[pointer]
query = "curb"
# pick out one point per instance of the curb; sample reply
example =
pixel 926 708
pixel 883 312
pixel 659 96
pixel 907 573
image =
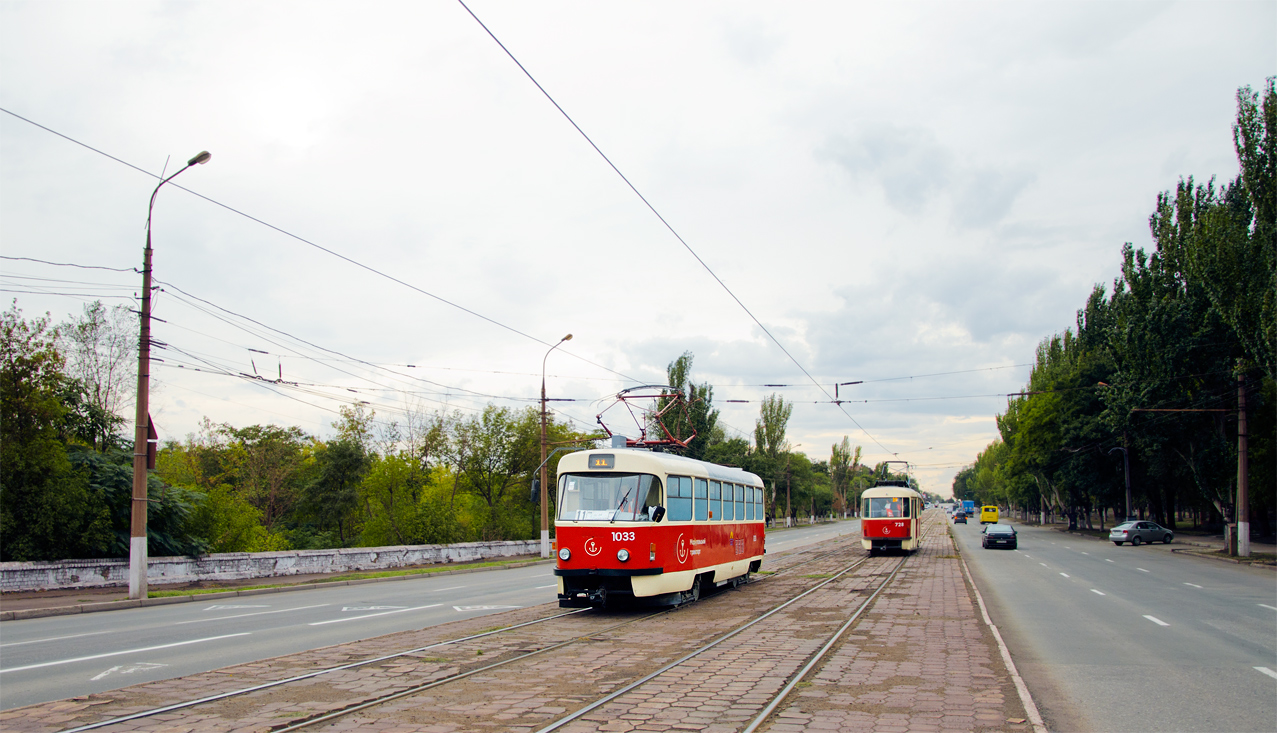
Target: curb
pixel 170 600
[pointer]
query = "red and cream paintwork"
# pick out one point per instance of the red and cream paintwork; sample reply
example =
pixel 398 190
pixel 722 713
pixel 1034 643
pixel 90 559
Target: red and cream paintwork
pixel 666 557
pixel 889 518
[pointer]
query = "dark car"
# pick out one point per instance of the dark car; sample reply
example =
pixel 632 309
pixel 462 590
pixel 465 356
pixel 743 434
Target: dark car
pixel 1139 532
pixel 999 535
pixel 960 518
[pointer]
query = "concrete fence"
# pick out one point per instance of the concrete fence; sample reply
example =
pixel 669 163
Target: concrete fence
pixel 70 574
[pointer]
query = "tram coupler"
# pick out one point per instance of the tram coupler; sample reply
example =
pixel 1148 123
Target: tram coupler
pixel 598 597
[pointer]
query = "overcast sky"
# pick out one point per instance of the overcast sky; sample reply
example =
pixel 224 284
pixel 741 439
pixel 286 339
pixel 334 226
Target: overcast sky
pixel 894 190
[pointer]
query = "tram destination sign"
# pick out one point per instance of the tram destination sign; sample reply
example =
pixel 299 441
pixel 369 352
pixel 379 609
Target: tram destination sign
pixel 605 461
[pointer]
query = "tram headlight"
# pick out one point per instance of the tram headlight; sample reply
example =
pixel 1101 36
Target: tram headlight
pixel 565 554
pixel 623 555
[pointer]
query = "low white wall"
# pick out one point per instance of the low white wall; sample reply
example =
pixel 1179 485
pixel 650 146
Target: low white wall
pixel 68 574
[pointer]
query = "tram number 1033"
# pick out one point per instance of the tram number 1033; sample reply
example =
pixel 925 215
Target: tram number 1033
pixel 622 536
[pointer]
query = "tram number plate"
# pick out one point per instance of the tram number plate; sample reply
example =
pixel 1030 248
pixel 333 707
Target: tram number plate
pixel 622 536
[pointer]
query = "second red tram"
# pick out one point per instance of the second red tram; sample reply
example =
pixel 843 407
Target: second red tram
pixel 889 518
pixel 652 528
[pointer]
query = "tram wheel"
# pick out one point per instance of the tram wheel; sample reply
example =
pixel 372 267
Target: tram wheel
pixel 694 594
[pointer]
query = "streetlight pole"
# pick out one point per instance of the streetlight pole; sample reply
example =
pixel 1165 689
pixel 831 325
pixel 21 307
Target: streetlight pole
pixel 1243 466
pixel 141 451
pixel 545 504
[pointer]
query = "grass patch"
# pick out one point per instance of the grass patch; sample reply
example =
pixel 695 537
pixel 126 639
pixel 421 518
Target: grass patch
pixel 765 572
pixel 818 575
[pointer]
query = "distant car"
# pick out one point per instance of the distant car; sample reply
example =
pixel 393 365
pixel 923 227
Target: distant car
pixel 999 535
pixel 1140 532
pixel 960 518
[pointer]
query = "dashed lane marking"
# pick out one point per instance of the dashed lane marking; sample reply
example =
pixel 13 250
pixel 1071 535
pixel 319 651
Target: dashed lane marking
pixel 228 608
pixel 1084 552
pixel 1042 564
pixel 371 615
pixel 95 633
pixel 543 587
pixel 1142 570
pixel 1193 584
pixel 455 587
pixel 1156 620
pixel 242 615
pixel 1271 608
pixel 1107 560
pixel 1098 593
pixel 1065 574
pixel 1267 671
pixel 116 654
pixel 463 609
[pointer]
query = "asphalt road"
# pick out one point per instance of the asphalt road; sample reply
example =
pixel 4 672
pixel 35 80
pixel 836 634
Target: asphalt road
pixel 64 656
pixel 1132 638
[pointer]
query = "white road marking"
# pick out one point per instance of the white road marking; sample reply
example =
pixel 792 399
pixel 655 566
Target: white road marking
pixel 1107 560
pixel 463 609
pixel 543 587
pixel 1271 608
pixel 1085 552
pixel 1065 574
pixel 1267 671
pixel 1098 593
pixel 1193 584
pixel 116 654
pixel 455 587
pixel 228 608
pixel 1156 620
pixel 370 608
pixel 370 615
pixel 95 633
pixel 1042 564
pixel 242 615
pixel 129 669
pixel 1142 570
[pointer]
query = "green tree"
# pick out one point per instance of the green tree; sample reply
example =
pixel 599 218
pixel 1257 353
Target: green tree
pixel 700 418
pixel 47 508
pixel 331 498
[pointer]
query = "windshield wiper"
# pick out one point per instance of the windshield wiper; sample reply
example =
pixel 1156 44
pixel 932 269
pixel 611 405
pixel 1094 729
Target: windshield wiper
pixel 624 499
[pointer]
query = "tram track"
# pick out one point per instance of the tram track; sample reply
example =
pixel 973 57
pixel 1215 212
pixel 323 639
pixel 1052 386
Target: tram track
pixel 785 570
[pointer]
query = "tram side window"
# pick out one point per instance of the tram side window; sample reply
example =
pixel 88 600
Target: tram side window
pixel 700 493
pixel 758 504
pixel 728 514
pixel 740 503
pixel 716 500
pixel 680 498
pixel 749 503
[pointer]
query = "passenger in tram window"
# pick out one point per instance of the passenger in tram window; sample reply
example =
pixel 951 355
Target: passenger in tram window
pixel 652 500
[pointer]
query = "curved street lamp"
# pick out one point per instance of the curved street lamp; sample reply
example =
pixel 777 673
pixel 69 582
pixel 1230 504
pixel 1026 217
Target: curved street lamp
pixel 141 440
pixel 545 506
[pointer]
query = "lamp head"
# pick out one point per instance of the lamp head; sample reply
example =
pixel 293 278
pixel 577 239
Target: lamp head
pixel 566 338
pixel 201 159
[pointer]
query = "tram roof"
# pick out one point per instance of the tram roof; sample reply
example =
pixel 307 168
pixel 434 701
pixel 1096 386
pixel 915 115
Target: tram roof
pixel 889 491
pixel 669 462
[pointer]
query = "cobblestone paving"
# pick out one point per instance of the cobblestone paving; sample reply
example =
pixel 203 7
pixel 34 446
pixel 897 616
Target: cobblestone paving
pixel 918 660
pixel 261 711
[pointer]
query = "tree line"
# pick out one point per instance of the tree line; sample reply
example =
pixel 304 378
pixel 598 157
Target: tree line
pixel 426 477
pixel 1155 364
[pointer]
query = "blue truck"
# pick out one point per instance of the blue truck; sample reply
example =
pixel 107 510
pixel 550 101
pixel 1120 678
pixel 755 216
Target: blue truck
pixel 968 508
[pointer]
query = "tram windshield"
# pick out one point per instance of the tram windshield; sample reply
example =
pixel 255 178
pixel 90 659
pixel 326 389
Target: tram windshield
pixel 884 507
pixel 607 497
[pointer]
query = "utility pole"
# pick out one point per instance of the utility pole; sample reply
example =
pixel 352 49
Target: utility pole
pixel 1243 466
pixel 545 505
pixel 138 563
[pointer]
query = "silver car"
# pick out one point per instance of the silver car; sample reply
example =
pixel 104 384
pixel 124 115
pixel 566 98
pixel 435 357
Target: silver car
pixel 1140 532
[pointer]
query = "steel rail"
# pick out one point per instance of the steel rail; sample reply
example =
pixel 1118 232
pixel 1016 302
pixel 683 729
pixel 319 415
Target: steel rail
pixel 451 678
pixel 327 717
pixel 604 700
pixel 780 696
pixel 308 675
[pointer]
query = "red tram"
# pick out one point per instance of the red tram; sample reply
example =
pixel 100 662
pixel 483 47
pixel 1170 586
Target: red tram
pixel 889 516
pixel 636 526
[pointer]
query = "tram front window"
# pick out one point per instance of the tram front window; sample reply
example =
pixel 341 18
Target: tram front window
pixel 607 497
pixel 886 507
